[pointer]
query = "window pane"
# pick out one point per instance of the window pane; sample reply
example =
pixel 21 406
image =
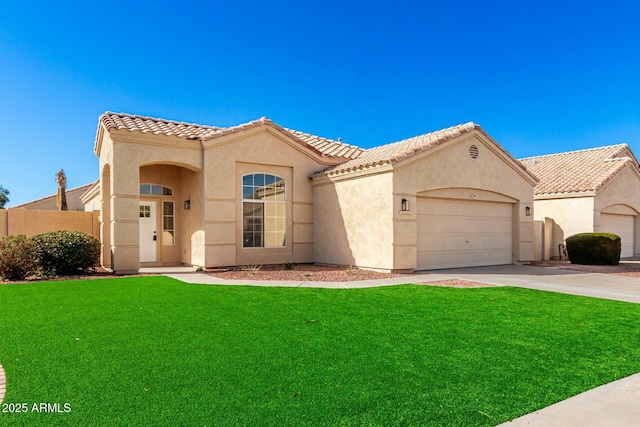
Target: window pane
pixel 247 192
pixel 156 189
pixel 167 191
pixel 168 223
pixel 247 180
pixel 145 189
pixel 258 179
pixel 168 238
pixel 168 208
pixel 269 179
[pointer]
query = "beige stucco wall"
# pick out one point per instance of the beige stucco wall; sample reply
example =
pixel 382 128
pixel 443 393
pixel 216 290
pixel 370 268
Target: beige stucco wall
pixel 15 221
pixel 353 221
pixel 122 154
pixel 4 222
pixel 262 150
pixel 209 174
pixel 572 215
pixel 450 172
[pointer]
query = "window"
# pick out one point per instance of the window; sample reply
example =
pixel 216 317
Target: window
pixel 263 211
pixel 156 190
pixel 168 224
pixel 145 211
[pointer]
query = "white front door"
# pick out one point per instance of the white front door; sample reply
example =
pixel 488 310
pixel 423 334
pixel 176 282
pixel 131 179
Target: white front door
pixel 148 234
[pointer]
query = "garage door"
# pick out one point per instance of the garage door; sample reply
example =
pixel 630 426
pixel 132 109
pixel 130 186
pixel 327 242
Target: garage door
pixel 461 233
pixel 622 225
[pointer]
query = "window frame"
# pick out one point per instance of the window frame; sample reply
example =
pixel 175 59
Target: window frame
pixel 271 223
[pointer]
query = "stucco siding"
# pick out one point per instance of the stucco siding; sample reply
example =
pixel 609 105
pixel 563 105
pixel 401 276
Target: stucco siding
pixel 226 160
pixel 353 222
pixel 572 215
pixel 452 173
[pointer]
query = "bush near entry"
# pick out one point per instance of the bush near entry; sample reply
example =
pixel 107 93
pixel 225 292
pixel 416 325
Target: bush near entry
pixel 65 252
pixel 17 258
pixel 594 248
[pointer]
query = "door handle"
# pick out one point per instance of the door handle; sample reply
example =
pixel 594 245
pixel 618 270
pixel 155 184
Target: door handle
pixel 154 236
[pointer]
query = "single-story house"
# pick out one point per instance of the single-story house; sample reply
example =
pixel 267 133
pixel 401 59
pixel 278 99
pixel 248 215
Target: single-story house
pixel 259 193
pixel 49 203
pixel 593 190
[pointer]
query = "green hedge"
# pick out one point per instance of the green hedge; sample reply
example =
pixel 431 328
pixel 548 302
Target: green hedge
pixel 594 249
pixel 65 252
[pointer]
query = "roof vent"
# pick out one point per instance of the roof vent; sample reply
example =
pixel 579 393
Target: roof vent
pixel 473 152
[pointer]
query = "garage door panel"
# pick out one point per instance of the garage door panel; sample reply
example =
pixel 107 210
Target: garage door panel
pixel 623 226
pixel 459 233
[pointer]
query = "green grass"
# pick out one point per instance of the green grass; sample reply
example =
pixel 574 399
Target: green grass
pixel 154 351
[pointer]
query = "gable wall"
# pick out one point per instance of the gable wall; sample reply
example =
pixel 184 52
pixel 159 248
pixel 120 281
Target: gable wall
pixel 263 151
pixel 450 172
pixel 621 196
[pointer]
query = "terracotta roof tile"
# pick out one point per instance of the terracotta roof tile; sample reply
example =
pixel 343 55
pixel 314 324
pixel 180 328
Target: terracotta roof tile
pixel 398 151
pixel 156 126
pixel 323 146
pixel 578 171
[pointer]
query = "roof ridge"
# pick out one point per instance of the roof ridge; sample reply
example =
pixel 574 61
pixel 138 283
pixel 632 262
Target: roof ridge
pixel 322 138
pixel 439 131
pixel 582 150
pixel 157 119
pixel 385 154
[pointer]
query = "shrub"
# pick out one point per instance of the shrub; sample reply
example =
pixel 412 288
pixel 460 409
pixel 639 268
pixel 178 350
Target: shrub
pixel 65 252
pixel 17 260
pixel 594 248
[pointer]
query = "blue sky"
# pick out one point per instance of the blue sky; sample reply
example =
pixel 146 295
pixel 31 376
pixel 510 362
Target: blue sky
pixel 539 77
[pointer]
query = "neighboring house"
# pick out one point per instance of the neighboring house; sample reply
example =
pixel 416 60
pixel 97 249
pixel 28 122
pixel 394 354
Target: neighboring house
pixel 594 190
pixel 258 193
pixel 49 203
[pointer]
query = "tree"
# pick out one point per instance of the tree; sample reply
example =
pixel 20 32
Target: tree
pixel 4 196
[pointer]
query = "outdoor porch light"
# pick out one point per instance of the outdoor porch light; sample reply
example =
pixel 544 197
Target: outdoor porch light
pixel 187 205
pixel 405 205
pixel 527 211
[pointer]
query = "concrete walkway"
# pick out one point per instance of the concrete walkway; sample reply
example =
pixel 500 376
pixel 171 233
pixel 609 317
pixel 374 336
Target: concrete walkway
pixel 552 279
pixel 616 404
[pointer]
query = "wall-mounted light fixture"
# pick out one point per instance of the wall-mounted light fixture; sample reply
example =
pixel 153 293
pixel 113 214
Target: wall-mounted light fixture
pixel 187 205
pixel 527 211
pixel 405 205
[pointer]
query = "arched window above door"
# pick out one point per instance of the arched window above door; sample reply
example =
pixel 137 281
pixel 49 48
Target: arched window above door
pixel 156 190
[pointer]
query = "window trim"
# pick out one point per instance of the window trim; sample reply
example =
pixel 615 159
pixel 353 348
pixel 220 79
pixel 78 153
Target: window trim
pixel 161 190
pixel 173 222
pixel 267 179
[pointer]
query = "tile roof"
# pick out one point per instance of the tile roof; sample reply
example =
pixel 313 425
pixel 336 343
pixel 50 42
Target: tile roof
pixel 323 146
pixel 156 126
pixel 578 171
pixel 398 151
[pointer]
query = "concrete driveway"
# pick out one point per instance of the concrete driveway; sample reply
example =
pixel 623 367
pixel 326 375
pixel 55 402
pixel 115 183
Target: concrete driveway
pixel 608 286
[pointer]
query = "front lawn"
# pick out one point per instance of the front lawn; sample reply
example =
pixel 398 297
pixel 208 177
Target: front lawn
pixel 154 351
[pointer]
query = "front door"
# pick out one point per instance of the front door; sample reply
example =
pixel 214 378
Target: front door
pixel 148 235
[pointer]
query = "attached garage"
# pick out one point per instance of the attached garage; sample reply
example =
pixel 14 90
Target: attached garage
pixel 623 226
pixel 451 198
pixel 462 233
pixel 586 191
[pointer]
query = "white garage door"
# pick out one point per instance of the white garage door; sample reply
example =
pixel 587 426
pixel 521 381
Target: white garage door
pixel 460 233
pixel 622 225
